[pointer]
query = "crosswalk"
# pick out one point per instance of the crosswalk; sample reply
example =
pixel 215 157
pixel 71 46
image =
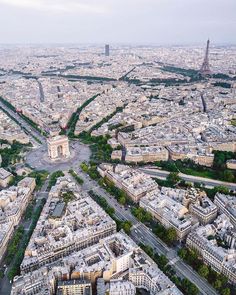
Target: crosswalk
pixel 174 260
pixel 135 226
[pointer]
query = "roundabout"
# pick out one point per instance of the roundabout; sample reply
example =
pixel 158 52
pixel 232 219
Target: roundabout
pixel 38 158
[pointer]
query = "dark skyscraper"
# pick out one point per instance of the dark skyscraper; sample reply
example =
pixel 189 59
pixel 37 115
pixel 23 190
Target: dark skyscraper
pixel 107 50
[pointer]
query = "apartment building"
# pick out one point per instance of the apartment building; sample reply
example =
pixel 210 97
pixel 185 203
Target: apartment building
pixel 221 259
pixel 226 205
pixel 74 287
pixel 168 212
pixel 66 226
pixel 135 183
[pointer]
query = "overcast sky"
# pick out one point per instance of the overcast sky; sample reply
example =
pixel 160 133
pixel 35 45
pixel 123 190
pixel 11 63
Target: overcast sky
pixel 118 21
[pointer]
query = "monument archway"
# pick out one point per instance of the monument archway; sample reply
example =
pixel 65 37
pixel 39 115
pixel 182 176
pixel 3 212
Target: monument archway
pixel 58 147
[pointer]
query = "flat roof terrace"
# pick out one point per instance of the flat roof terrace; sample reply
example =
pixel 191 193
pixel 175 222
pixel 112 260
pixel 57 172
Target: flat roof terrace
pixel 58 210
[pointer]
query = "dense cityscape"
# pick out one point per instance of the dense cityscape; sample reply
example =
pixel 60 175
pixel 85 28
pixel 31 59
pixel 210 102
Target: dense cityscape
pixel 118 170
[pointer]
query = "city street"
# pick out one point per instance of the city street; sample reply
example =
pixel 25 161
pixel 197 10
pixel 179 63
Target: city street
pixel 209 183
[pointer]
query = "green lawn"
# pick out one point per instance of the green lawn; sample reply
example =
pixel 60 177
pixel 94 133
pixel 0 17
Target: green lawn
pixel 206 174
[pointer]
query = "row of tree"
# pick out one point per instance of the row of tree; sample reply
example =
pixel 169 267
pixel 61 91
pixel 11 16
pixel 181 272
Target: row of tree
pixel 76 177
pixel 184 285
pixel 22 243
pixel 75 116
pixel 53 178
pixel 11 155
pixel 218 281
pixel 219 170
pixel 119 194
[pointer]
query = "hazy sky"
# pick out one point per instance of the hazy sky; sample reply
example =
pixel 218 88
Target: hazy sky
pixel 117 21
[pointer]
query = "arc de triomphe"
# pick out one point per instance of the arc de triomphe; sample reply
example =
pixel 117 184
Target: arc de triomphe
pixel 58 147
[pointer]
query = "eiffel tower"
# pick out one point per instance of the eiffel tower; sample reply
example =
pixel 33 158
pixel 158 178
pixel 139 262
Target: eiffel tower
pixel 205 68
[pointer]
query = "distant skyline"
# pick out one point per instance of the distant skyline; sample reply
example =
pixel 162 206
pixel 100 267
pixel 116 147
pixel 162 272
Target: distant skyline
pixel 157 22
